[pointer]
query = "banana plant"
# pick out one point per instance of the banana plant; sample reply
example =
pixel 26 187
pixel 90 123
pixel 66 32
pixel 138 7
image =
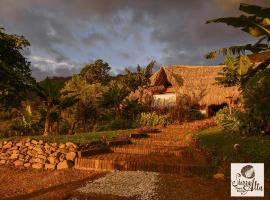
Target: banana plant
pixel 256 22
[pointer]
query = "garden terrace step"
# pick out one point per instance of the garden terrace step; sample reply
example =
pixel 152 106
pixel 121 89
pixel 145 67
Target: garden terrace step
pixel 132 162
pixel 117 142
pixel 94 151
pixel 139 135
pixel 182 152
pixel 162 135
pixel 157 141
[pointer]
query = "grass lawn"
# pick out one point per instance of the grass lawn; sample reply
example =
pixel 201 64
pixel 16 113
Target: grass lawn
pixel 221 145
pixel 80 138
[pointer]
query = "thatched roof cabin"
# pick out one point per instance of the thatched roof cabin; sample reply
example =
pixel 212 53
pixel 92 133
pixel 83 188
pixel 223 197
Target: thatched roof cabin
pixel 171 83
pixel 197 82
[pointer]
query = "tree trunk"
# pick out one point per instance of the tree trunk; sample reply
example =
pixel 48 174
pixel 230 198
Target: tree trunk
pixel 47 122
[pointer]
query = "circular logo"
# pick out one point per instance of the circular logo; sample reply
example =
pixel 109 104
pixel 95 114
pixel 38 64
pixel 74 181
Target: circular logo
pixel 248 171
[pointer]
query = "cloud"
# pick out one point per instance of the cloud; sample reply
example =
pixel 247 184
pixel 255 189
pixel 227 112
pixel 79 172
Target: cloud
pixel 122 32
pixel 43 67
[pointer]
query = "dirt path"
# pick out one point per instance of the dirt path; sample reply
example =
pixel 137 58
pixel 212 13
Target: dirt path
pixel 24 183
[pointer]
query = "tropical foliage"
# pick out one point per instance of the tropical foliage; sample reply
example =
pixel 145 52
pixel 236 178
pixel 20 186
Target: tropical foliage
pixel 96 72
pixel 256 22
pixel 133 80
pixel 15 73
pixel 251 78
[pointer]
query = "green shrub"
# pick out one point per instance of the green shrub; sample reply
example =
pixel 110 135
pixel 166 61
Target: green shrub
pixel 152 119
pixel 238 121
pixel 229 121
pixel 24 125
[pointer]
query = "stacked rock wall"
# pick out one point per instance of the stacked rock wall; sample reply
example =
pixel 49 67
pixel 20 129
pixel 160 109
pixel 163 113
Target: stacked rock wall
pixel 38 154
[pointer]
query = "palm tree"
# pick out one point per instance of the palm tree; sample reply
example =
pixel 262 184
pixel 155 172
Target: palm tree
pixel 50 94
pixel 114 96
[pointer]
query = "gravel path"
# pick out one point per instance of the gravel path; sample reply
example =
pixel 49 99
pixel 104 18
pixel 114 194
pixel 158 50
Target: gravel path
pixel 142 185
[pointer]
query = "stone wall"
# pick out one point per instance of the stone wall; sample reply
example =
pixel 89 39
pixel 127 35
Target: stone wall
pixel 38 154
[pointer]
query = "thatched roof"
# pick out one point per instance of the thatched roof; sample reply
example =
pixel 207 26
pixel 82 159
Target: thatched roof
pixel 196 82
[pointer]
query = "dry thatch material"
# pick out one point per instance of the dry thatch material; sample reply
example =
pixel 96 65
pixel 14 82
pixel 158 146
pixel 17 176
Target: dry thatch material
pixel 197 82
pixel 145 95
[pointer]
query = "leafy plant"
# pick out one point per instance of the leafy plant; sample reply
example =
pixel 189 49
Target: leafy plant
pixel 256 22
pixel 228 120
pixel 252 79
pixel 97 72
pixel 24 124
pixel 133 80
pixel 152 119
pixel 50 94
pixel 113 97
pixel 15 74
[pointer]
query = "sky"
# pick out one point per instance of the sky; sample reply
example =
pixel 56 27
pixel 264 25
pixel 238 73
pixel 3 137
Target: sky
pixel 67 34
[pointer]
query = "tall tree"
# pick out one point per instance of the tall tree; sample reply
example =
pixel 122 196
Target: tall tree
pixel 133 80
pixel 15 73
pixel 113 97
pixel 97 72
pixel 50 94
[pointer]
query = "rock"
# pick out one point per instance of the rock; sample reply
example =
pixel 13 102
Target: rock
pixel 27 144
pixel 51 159
pixel 15 152
pixel 2 162
pixel 42 156
pixel 54 144
pixel 62 146
pixel 7 145
pixel 21 156
pixel 13 148
pixel 62 157
pixel 14 156
pixel 24 150
pixel 18 144
pixel 70 144
pixel 18 163
pixel 49 166
pixel 37 166
pixel 39 160
pixel 219 176
pixel 34 142
pixel 31 153
pixel 64 165
pixel 38 149
pixel 27 164
pixel 28 140
pixel 71 156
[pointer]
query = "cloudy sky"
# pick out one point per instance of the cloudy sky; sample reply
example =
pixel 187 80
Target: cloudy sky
pixel 67 34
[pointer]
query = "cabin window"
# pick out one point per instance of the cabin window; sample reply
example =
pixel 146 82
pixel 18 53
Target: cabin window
pixel 164 100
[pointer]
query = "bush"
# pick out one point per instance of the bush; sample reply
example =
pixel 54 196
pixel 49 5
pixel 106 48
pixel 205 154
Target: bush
pixel 153 119
pixel 132 108
pixel 229 121
pixel 238 121
pixel 24 125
